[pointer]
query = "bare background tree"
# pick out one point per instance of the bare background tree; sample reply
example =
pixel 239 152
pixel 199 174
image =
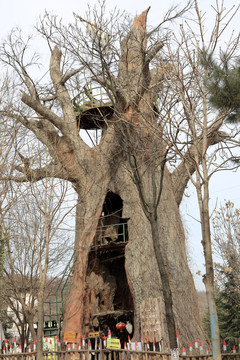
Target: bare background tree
pixel 36 251
pixel 195 128
pixel 226 244
pixel 227 277
pixel 8 132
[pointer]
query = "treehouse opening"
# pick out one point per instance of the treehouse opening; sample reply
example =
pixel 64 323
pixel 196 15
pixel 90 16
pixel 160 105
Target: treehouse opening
pixel 112 227
pixel 110 299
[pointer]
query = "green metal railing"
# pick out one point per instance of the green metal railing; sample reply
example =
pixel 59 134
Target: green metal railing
pixel 121 233
pixel 63 287
pixel 51 324
pixel 54 312
pixel 91 97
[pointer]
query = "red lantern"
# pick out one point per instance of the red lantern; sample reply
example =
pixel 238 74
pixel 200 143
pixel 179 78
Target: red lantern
pixel 120 326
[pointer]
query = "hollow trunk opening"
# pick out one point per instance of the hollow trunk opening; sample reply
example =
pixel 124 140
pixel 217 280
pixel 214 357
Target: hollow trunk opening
pixel 109 297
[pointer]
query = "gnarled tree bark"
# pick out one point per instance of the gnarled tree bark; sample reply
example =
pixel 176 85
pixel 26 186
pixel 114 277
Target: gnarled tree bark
pixel 105 169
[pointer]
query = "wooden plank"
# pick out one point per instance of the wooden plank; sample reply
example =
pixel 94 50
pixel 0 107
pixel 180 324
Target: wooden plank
pixel 151 313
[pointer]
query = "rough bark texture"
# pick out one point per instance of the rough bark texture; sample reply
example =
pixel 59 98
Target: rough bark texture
pixel 104 289
pixel 140 264
pixel 99 291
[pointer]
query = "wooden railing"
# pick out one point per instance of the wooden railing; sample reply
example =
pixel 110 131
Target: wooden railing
pixel 107 354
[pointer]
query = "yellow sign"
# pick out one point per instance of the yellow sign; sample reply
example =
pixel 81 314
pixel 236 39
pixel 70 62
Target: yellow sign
pixel 96 334
pixel 113 344
pixel 49 344
pixel 69 336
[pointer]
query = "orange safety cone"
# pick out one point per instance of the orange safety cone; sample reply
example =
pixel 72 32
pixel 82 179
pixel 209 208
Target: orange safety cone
pixel 104 342
pixel 34 346
pixel 147 345
pixel 224 346
pixel 160 345
pixel 234 349
pixel 109 334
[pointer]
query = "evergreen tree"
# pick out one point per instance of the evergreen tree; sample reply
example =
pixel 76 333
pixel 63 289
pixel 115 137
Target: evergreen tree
pixel 228 307
pixel 228 310
pixel 224 84
pixel 226 225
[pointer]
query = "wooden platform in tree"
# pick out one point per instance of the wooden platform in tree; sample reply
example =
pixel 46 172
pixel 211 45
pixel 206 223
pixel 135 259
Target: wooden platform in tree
pixel 93 108
pixel 114 314
pixel 109 252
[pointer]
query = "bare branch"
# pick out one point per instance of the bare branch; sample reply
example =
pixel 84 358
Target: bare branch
pixel 62 94
pixel 70 74
pixel 43 111
pixel 34 175
pixel 153 51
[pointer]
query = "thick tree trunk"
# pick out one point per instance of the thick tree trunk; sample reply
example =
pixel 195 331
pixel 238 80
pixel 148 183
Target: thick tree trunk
pixel 77 307
pixel 141 264
pixel 40 325
pixel 209 277
pixel 215 336
pixel 92 282
pixel 30 319
pixel 164 274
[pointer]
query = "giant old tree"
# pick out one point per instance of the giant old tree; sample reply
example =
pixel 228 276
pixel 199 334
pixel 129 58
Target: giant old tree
pixel 124 175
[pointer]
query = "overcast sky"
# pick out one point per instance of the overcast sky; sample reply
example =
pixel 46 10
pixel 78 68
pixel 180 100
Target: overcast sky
pixel 23 13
